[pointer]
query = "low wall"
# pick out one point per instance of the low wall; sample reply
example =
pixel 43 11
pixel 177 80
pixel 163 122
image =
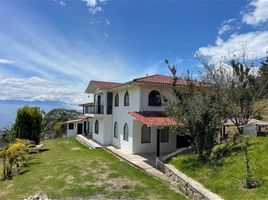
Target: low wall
pixel 191 188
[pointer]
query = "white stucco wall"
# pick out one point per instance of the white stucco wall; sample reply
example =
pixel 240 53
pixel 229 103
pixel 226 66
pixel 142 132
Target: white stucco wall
pixel 139 147
pixel 72 132
pixel 104 137
pixel 121 116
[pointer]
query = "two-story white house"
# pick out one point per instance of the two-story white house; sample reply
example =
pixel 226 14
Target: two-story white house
pixel 130 115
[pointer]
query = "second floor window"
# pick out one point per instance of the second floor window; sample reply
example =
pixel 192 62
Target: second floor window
pixel 154 98
pixel 97 127
pixel 126 99
pixel 116 100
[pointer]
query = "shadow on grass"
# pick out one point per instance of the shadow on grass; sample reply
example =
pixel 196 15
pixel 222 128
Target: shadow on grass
pixel 43 150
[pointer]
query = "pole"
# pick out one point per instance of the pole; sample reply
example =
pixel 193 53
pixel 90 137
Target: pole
pixel 158 146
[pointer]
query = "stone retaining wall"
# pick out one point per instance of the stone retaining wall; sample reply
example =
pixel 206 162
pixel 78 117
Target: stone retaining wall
pixel 191 188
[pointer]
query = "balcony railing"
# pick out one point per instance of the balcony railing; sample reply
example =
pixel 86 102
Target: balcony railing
pixel 98 109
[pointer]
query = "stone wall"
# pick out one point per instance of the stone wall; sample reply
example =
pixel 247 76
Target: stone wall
pixel 191 188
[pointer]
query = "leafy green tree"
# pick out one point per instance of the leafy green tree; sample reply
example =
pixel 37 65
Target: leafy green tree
pixel 237 86
pixel 263 77
pixel 28 124
pixel 57 129
pixel 197 110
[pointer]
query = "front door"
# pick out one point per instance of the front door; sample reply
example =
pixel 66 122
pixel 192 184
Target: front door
pixel 79 128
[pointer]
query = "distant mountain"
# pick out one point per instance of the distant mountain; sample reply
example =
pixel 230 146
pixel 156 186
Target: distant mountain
pixel 54 116
pixel 8 109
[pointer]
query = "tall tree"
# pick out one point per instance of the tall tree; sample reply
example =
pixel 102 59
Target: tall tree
pixel 197 110
pixel 237 86
pixel 28 124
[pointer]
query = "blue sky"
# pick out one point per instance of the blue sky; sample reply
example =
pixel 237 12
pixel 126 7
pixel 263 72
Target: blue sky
pixel 50 50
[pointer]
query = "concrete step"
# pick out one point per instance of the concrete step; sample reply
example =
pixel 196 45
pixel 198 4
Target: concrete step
pixel 88 142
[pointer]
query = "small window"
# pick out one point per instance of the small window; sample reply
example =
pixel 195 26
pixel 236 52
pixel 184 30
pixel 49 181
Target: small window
pixel 125 135
pixel 115 130
pixel 126 99
pixel 71 126
pixel 154 98
pixel 165 134
pixel 116 100
pixel 97 127
pixel 145 134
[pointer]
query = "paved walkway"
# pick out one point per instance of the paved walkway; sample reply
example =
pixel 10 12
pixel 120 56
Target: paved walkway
pixel 145 162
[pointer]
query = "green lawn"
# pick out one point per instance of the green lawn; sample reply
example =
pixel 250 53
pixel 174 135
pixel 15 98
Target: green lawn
pixel 70 170
pixel 226 180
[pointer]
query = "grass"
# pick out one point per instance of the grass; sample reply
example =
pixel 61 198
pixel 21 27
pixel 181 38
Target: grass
pixel 67 169
pixel 227 179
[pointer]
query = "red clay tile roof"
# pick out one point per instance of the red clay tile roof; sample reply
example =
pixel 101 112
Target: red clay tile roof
pixel 154 118
pixel 104 84
pixel 159 79
pixel 87 104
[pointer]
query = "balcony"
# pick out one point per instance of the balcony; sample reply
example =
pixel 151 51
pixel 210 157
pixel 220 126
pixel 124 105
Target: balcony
pixel 98 109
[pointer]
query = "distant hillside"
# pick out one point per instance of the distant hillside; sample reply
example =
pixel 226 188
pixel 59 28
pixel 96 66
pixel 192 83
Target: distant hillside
pixel 57 115
pixel 263 105
pixel 8 109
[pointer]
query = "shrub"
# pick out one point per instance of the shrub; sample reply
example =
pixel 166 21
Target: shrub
pixel 28 124
pixel 14 156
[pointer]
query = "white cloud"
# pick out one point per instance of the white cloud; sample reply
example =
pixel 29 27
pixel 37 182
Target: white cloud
pixel 226 26
pixel 107 22
pixel 94 10
pixel 94 5
pixel 62 3
pixel 256 43
pixel 257 12
pixel 91 3
pixel 35 88
pixel 223 29
pixel 6 61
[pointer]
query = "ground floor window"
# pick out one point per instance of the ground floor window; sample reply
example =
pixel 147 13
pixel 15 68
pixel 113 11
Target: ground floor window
pixel 115 130
pixel 97 127
pixel 145 134
pixel 71 126
pixel 125 135
pixel 165 134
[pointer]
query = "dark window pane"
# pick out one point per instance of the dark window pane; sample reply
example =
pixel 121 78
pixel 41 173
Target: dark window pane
pixel 154 98
pixel 126 99
pixel 71 126
pixel 145 134
pixel 164 134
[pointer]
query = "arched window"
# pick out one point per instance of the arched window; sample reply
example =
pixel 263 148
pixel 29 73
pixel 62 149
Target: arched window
pixel 97 127
pixel 116 100
pixel 145 134
pixel 126 99
pixel 154 98
pixel 125 135
pixel 115 130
